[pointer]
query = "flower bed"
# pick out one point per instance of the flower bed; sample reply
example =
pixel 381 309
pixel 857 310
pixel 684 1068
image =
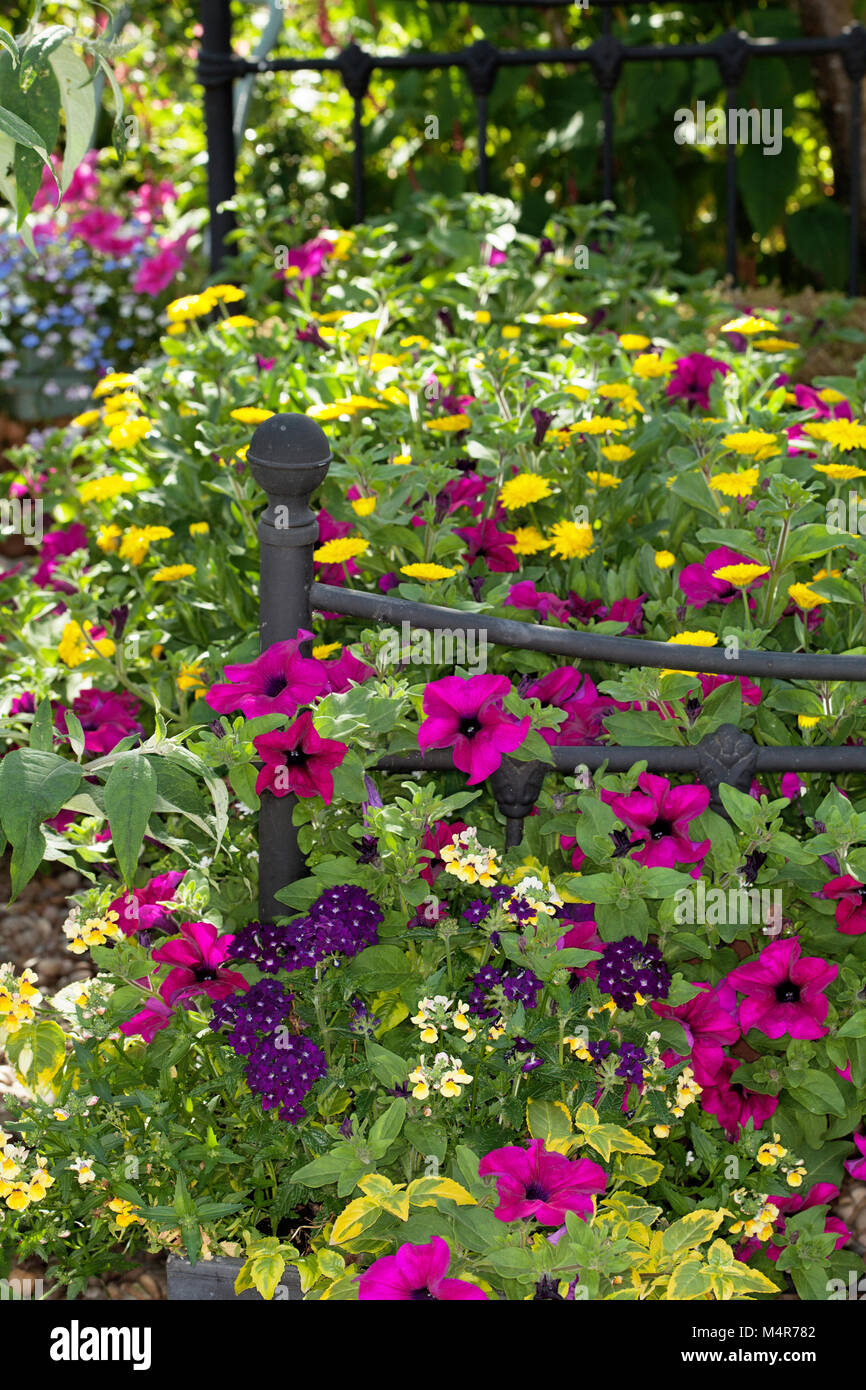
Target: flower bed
pixel 624 1059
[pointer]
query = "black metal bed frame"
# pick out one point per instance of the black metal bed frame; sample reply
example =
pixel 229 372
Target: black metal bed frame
pixel 289 457
pixel 219 67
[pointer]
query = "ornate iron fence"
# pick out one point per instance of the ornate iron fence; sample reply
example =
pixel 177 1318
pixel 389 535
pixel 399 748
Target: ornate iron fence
pixel 219 69
pixel 289 457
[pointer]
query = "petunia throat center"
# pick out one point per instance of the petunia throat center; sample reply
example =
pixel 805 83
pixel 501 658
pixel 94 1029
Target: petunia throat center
pixel 469 726
pixel 660 828
pixel 787 992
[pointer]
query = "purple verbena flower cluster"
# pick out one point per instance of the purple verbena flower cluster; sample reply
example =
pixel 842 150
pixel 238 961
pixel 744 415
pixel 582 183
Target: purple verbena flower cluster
pixel 628 968
pixel 342 921
pixel 282 1066
pixel 522 988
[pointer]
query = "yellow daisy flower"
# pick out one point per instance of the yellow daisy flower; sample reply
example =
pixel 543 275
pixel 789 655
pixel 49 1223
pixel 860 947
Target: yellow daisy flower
pixel 756 444
pixel 251 414
pixel 736 484
pixel 171 572
pixel 562 321
pixel 341 549
pixel 364 506
pixel 428 572
pixel 805 598
pixel 616 453
pixel 523 490
pixel 741 576
pixel 570 541
pixel 449 424
pixel 528 540
pixel 664 559
pixel 634 342
pixel 603 479
pixel 748 325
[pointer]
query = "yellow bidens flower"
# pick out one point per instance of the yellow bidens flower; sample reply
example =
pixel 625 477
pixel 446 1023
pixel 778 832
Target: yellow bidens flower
pixel 603 479
pixel 843 434
pixel 115 381
pixel 623 392
pixel 124 1212
pixel 649 366
pixel 528 540
pixel 699 638
pixel 107 538
pixel 470 861
pixel 748 325
pixel 74 648
pixel 804 597
pixel 341 549
pixel 101 489
pixel 741 576
pixel 172 572
pixel 634 342
pixel 664 559
pixel 523 490
pixel 736 484
pixel 190 677
pixel 137 541
pixel 448 424
pixel 562 321
pixel 757 444
pixel 199 528
pixel 570 541
pixel 840 472
pixel 128 434
pixel 251 414
pixel 428 573
pixel 578 1048
pixel 364 506
pixel 616 453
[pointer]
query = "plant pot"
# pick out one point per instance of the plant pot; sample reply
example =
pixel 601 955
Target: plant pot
pixel 214 1280
pixel 25 397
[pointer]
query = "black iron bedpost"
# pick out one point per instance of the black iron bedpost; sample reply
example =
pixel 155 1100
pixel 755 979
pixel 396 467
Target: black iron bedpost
pixel 289 458
pixel 215 75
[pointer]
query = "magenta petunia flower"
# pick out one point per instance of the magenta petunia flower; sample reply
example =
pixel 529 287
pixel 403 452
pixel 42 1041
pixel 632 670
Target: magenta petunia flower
pixel 106 717
pixel 346 671
pixel 582 936
pixel 148 908
pixel 628 611
pixel 277 682
pixel 100 229
pixel 709 1021
pixel 198 956
pixel 491 545
pixel 56 545
pixel 155 1015
pixel 784 991
pixel 539 1183
pixel 659 816
pixel 857 1166
pixel 693 378
pixel 850 897
pixel 570 690
pixel 158 271
pixel 299 760
pixel 701 587
pixel 416 1274
pixel 540 601
pixel 751 693
pixel 435 839
pixel 732 1103
pixel 466 714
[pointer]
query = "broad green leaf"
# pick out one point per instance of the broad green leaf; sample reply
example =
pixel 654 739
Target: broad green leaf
pixel 690 1279
pixel 354 1219
pixel 691 1231
pixel 424 1191
pixel 387 1067
pixel 38 1051
pixel 388 1126
pixel 78 98
pixel 42 728
pixel 550 1121
pixel 130 795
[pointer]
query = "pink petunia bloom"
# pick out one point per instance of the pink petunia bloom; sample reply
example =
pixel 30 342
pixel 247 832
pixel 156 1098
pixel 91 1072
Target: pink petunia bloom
pixel 83 185
pixel 700 587
pixel 540 601
pixel 857 1166
pixel 57 545
pixel 299 760
pixel 570 690
pixel 148 908
pixel 158 271
pixel 582 935
pixel 751 693
pixel 150 200
pixel 584 610
pixel 491 545
pixel 732 1103
pixel 99 229
pixel 693 378
pixel 465 491
pixel 709 1021
pixel 307 260
pixel 628 611
pixel 277 682
pixel 792 786
pixel 416 1274
pixel 568 844
pixel 535 1182
pixel 436 837
pixel 659 816
pixel 466 714
pixel 199 958
pixel 850 897
pixel 155 1015
pixel 105 716
pixel 346 670
pixel 784 991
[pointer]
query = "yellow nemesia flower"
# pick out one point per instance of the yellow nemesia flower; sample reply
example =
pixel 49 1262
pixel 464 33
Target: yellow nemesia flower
pixel 190 676
pixel 128 434
pixel 107 538
pixel 115 381
pixel 86 418
pixel 224 294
